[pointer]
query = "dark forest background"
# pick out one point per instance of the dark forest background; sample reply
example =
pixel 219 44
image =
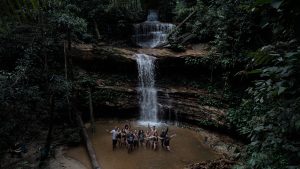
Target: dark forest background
pixel 256 44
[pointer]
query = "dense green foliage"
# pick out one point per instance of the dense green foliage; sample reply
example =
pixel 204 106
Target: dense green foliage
pixel 262 39
pixel 34 91
pixel 253 42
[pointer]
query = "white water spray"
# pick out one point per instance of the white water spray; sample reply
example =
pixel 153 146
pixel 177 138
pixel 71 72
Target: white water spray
pixel 151 33
pixel 147 90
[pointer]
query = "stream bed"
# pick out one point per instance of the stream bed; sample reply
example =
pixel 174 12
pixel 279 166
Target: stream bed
pixel 186 147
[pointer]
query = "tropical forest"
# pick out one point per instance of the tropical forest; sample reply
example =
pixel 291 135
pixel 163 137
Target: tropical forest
pixel 149 84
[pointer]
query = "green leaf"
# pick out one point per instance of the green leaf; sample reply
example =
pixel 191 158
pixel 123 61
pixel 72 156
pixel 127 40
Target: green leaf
pixel 290 54
pixel 276 4
pixel 34 4
pixel 262 2
pixel 259 128
pixel 256 71
pixel 297 125
pixel 281 90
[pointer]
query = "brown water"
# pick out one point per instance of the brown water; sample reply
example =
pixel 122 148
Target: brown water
pixel 186 147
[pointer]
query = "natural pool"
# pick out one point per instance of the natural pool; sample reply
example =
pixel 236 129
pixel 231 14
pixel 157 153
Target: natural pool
pixel 186 147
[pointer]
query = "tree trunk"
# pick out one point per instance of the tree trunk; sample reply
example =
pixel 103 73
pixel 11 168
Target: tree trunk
pixel 66 61
pixel 186 19
pixel 69 40
pixel 70 59
pixel 46 149
pixel 89 146
pixel 91 111
pixel 49 135
pixel 97 30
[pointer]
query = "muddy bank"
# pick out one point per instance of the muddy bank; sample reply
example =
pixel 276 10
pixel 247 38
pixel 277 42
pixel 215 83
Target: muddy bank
pixel 213 164
pixel 62 161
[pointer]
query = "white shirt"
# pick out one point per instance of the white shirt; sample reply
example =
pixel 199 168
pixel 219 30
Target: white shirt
pixel 114 134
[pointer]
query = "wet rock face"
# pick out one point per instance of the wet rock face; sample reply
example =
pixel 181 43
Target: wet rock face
pixel 115 59
pixel 177 98
pixel 174 103
pixel 193 106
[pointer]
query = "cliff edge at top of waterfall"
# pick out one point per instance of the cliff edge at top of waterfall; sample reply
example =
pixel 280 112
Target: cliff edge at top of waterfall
pixel 103 52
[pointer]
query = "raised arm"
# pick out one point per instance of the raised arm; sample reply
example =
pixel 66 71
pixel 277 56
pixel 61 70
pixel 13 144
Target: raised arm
pixel 150 137
pixel 129 125
pixel 108 131
pixel 173 135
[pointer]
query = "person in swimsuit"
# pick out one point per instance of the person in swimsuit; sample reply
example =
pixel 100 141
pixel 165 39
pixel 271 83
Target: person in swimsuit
pixel 163 135
pixel 167 141
pixel 152 130
pixel 119 136
pixel 127 128
pixel 130 139
pixel 135 139
pixel 148 140
pixel 141 137
pixel 154 140
pixel 123 138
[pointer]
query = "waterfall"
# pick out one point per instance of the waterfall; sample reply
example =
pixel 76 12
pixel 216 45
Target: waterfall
pixel 151 33
pixel 147 90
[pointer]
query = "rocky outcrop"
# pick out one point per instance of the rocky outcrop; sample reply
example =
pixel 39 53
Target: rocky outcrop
pixel 177 100
pixel 104 52
pixel 109 58
pixel 213 164
pixel 192 105
pixel 93 57
pixel 175 103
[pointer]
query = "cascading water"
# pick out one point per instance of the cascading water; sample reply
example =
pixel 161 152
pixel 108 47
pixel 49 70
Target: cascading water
pixel 151 33
pixel 147 90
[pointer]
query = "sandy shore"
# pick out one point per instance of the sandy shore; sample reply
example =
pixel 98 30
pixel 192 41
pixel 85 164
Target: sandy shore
pixel 61 161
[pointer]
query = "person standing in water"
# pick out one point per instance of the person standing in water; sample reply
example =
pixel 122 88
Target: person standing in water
pixel 114 133
pixel 123 138
pixel 167 141
pixel 130 139
pixel 152 130
pixel 127 128
pixel 155 139
pixel 141 137
pixel 162 136
pixel 135 139
pixel 148 139
pixel 119 136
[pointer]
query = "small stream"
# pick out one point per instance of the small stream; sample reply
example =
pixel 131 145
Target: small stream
pixel 186 147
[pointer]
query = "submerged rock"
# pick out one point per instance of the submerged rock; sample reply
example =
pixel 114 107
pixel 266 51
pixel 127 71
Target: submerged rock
pixel 213 164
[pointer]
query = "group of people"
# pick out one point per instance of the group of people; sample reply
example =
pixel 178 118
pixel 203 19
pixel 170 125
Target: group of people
pixel 132 138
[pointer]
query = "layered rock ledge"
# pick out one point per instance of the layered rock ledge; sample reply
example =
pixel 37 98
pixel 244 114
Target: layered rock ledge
pixel 104 57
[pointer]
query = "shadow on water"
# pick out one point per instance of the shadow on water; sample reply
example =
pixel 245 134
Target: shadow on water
pixel 186 147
